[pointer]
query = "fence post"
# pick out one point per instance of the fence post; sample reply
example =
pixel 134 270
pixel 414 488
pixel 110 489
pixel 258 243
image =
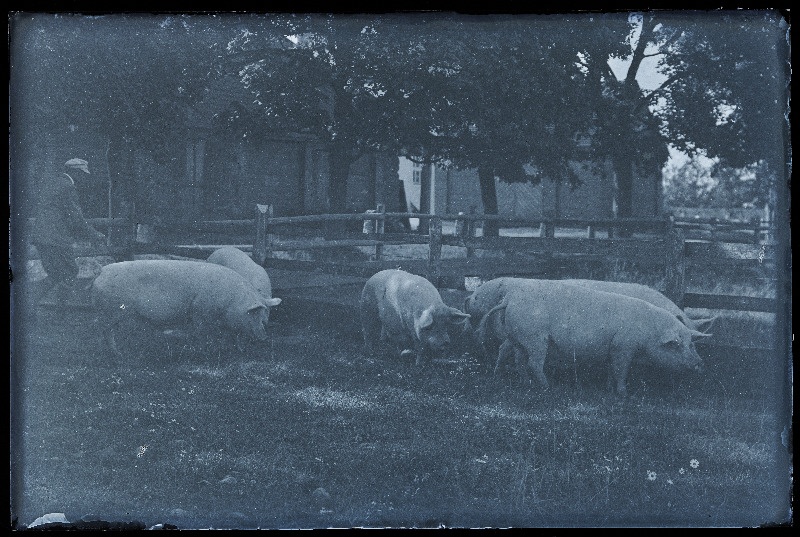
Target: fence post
pixel 469 230
pixel 460 225
pixel 756 223
pixel 435 250
pixel 675 286
pixel 368 227
pixel 670 225
pixel 261 246
pixel 380 227
pixel 547 229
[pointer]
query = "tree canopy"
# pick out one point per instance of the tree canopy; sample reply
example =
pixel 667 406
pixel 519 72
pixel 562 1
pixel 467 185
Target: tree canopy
pixel 122 76
pixel 503 94
pixel 727 90
pixel 723 94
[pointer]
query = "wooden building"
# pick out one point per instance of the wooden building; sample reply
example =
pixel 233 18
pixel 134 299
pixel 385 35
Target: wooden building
pixel 205 171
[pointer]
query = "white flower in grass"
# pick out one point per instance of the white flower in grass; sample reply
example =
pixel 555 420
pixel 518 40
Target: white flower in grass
pixel 694 463
pixel 669 481
pixel 681 471
pixel 651 475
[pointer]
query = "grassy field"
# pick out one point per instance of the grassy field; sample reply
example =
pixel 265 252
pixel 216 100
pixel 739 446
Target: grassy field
pixel 306 431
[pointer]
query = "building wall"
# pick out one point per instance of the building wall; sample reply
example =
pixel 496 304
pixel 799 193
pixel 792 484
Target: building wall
pixel 294 176
pixel 591 199
pixel 647 195
pixel 519 200
pixel 405 172
pixel 272 174
pixel 454 191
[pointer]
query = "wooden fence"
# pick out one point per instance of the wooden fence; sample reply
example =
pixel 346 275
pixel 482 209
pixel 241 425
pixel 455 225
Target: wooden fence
pixel 661 242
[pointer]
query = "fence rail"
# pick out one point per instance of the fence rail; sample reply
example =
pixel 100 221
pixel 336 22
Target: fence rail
pixel 663 242
pixel 669 249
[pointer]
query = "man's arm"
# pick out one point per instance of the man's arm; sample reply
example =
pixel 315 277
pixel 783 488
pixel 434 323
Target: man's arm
pixel 77 220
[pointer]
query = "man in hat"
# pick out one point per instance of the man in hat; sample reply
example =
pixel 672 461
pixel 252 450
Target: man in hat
pixel 59 223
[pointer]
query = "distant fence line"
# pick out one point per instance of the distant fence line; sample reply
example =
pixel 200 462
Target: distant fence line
pixel 711 229
pixel 664 242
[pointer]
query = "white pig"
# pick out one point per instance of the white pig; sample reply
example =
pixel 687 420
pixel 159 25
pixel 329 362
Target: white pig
pixel 589 325
pixel 237 260
pixel 408 310
pixel 492 293
pixel 205 296
pixel 648 294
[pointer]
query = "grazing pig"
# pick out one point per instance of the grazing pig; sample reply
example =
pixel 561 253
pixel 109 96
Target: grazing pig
pixel 491 293
pixel 172 293
pixel 408 310
pixel 237 260
pixel 589 325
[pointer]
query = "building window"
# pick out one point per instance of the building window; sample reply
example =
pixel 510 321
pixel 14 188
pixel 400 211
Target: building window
pixel 416 174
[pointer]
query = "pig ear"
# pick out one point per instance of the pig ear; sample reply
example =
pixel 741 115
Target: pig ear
pixel 425 320
pixel 704 325
pixel 457 316
pixel 695 333
pixel 254 307
pixel 272 302
pixel 467 302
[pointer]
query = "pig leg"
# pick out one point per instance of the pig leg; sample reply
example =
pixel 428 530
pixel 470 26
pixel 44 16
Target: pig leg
pixel 520 362
pixel 620 364
pixel 536 348
pixel 372 331
pixel 506 349
pixel 489 347
pixel 113 320
pixel 384 334
pixel 112 342
pixel 421 353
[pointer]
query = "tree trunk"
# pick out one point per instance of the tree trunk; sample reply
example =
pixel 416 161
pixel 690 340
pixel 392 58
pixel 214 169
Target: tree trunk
pixel 623 192
pixel 489 198
pixel 424 197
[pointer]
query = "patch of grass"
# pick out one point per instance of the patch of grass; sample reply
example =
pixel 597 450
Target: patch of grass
pixel 316 434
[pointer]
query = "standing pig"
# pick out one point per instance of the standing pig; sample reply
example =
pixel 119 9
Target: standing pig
pixel 492 293
pixel 237 260
pixel 173 293
pixel 408 310
pixel 590 325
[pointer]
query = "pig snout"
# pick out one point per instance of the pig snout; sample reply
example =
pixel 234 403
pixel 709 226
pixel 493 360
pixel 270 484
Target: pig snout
pixel 258 324
pixel 261 331
pixel 699 365
pixel 437 342
pixel 693 361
